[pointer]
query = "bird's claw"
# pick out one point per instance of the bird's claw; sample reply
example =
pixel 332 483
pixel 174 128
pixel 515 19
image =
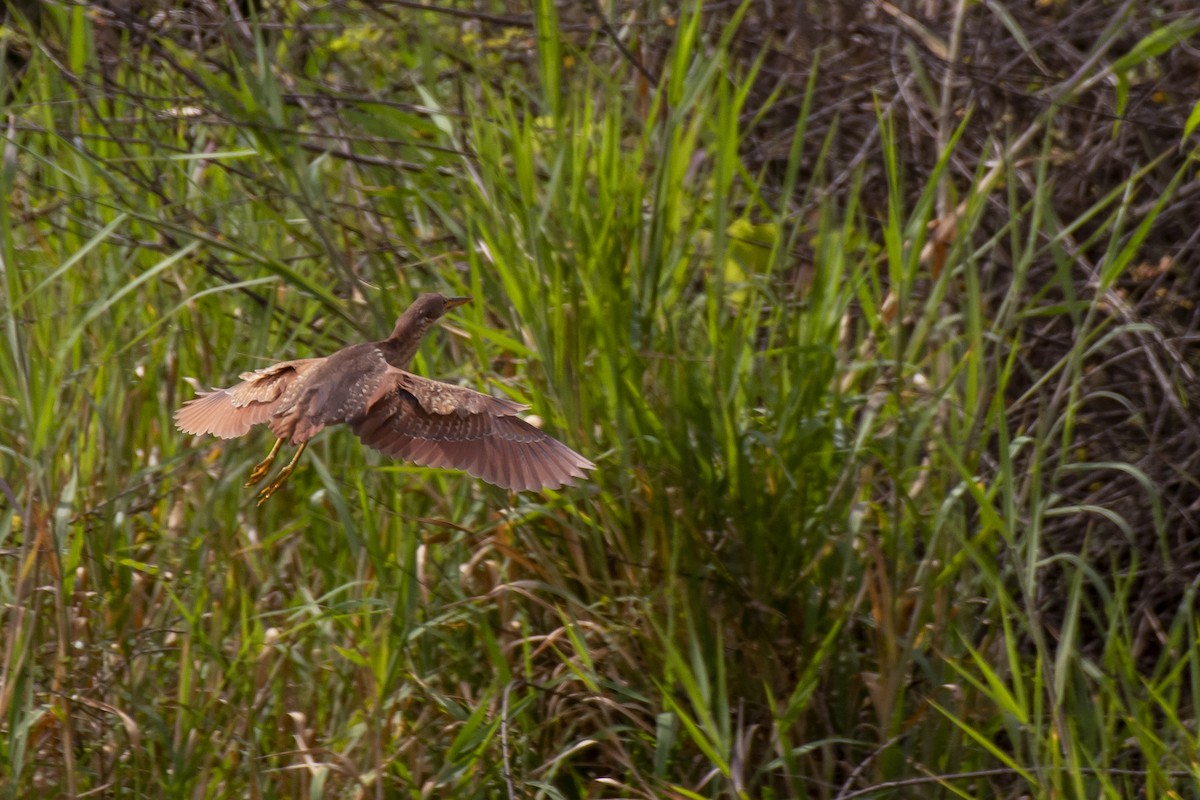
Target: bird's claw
pixel 258 473
pixel 283 475
pixel 263 467
pixel 269 489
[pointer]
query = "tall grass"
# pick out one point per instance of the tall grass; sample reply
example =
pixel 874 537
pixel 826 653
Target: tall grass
pixel 808 564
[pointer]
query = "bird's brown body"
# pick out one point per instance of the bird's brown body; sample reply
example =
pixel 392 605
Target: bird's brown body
pixel 403 415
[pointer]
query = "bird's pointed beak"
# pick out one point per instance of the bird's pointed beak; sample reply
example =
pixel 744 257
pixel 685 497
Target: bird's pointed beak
pixel 455 302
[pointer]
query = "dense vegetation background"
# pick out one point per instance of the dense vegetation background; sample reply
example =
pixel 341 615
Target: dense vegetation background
pixel 877 319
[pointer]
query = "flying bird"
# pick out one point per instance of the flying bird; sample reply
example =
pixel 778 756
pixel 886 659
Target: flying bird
pixel 368 387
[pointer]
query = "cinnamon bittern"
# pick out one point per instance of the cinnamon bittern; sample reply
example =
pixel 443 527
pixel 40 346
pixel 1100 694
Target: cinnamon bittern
pixel 428 422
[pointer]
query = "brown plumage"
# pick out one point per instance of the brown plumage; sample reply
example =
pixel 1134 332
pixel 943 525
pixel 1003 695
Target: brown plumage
pixel 403 415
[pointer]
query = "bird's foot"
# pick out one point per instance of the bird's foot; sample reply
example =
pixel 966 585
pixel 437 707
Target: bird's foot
pixel 282 477
pixel 258 473
pixel 271 487
pixel 263 467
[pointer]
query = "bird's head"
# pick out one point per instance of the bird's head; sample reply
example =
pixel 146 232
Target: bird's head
pixel 424 311
pixel 431 306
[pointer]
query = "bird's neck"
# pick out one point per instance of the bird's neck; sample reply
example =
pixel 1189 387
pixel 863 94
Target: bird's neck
pixel 401 346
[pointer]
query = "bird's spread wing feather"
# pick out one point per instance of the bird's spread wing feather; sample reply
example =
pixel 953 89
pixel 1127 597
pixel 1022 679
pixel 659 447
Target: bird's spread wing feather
pixel 436 424
pixel 234 411
pixel 437 397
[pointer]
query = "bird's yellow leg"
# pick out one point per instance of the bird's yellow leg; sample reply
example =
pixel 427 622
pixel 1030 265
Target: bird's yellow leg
pixel 263 467
pixel 283 475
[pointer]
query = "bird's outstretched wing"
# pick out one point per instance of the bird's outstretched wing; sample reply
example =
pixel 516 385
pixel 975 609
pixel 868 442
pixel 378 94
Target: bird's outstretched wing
pixel 234 411
pixel 436 424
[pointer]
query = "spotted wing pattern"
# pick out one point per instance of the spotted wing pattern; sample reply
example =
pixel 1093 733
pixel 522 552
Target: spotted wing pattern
pixel 340 388
pixel 232 412
pixel 436 424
